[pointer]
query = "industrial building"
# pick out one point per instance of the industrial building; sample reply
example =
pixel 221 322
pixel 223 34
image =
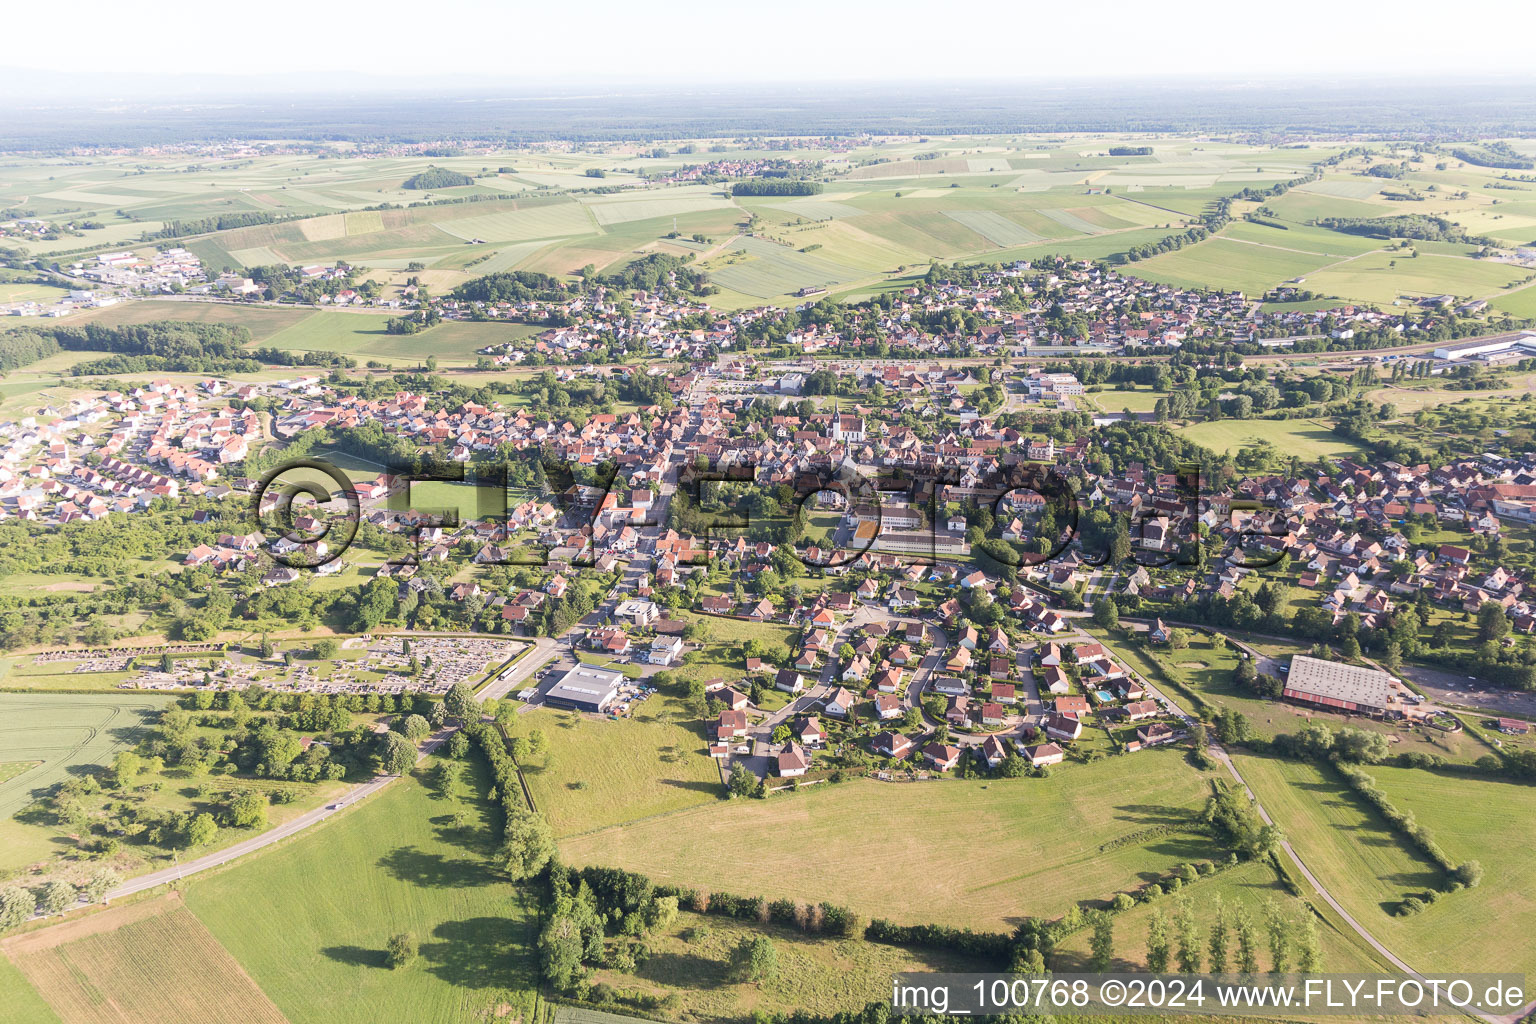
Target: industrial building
pixel 586 689
pixel 1517 345
pixel 1340 687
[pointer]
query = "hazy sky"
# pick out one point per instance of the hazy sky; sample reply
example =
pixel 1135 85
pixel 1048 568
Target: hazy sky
pixel 781 40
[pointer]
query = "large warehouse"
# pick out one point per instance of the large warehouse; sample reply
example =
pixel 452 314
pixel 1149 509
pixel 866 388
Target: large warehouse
pixel 1333 684
pixel 586 689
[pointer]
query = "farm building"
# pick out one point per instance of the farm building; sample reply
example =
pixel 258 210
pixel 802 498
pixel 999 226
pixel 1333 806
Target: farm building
pixel 1332 684
pixel 585 689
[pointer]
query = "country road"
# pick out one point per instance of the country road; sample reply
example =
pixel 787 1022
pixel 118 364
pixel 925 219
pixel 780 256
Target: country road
pixel 544 649
pixel 1217 751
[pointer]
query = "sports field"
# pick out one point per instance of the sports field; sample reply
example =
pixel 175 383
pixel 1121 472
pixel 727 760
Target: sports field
pixel 135 964
pixel 308 918
pixel 909 851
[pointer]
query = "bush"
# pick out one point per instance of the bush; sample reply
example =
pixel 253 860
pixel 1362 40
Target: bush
pixel 401 950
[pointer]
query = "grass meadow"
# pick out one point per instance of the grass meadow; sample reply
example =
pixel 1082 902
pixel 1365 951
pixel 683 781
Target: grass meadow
pixel 1310 439
pixel 965 853
pixel 308 918
pixel 693 961
pixel 1368 867
pixel 601 772
pixel 1252 885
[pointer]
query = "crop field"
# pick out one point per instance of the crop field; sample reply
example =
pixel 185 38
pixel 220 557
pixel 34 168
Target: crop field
pixel 765 269
pixel 1226 263
pixel 363 336
pixel 262 321
pixel 994 227
pixel 601 772
pixel 63 731
pixel 1302 238
pixel 1309 439
pixel 897 211
pixel 308 918
pixel 1383 277
pixel 19 1001
pixel 143 962
pixel 889 849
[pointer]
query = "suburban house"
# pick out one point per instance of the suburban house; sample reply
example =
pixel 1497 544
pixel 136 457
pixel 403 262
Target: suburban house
pixel 788 680
pixel 840 703
pixel 1063 728
pixel 793 761
pixel 1153 734
pixel 731 725
pixel 892 744
pixel 993 751
pixel 808 731
pixel 951 686
pixel 941 756
pixel 1045 754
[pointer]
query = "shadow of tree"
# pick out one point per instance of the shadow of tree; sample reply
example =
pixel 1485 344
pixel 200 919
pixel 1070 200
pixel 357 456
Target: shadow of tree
pixel 688 969
pixel 479 953
pixel 433 870
pixel 712 788
pixel 357 956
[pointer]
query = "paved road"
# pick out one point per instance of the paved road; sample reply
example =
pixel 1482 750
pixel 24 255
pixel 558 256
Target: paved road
pixel 267 838
pixel 544 649
pixel 1316 883
pixel 1221 755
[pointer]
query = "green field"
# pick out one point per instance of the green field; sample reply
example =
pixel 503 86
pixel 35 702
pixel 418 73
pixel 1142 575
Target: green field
pixel 692 962
pixel 363 336
pixel 910 851
pixel 1339 836
pixel 600 772
pixel 19 1001
pixel 61 732
pixel 1368 868
pixel 1226 263
pixel 1250 884
pixel 1374 278
pixel 262 321
pixel 308 918
pixel 1309 439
